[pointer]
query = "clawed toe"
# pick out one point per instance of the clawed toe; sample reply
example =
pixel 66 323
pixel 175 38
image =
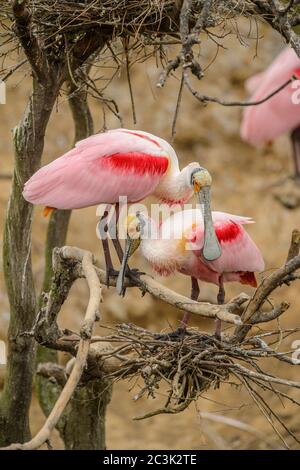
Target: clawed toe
pixel 134 272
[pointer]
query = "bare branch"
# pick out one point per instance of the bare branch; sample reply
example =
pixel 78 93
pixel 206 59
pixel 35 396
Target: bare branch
pixel 5 176
pixel 265 377
pixel 27 38
pixel 147 284
pixel 295 245
pixel 235 423
pixel 204 99
pixel 13 69
pixel 53 371
pixel 252 313
pixel 263 317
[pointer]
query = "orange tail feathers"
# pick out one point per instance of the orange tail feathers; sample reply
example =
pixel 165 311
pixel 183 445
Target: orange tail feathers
pixel 48 210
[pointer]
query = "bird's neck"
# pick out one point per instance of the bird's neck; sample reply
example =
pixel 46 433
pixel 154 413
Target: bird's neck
pixel 175 187
pixel 157 250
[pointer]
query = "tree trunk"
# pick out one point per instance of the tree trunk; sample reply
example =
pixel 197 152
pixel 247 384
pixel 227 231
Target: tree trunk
pixel 82 426
pixel 28 143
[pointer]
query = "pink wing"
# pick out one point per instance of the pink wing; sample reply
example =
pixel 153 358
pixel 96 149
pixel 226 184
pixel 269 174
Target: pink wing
pixel 264 122
pixel 99 170
pixel 239 252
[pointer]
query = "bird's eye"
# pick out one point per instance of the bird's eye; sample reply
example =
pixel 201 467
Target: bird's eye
pixel 194 174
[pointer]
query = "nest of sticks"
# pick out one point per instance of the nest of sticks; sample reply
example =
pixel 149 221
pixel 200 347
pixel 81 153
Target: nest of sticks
pixel 190 364
pixel 54 21
pixel 60 25
pixel 131 16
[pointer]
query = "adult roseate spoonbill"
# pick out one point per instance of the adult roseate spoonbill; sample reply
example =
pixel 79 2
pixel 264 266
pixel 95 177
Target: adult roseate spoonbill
pixel 263 123
pixel 177 245
pixel 117 163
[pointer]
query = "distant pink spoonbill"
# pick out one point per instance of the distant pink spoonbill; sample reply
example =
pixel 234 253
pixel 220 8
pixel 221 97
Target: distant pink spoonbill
pixel 121 162
pixel 177 245
pixel 264 122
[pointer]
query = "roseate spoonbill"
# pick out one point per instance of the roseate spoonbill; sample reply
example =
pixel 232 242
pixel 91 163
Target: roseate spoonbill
pixel 116 163
pixel 279 114
pixel 177 245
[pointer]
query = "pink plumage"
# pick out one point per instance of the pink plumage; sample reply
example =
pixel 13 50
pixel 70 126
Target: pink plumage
pixel 101 168
pixel 240 257
pixel 181 239
pixel 263 123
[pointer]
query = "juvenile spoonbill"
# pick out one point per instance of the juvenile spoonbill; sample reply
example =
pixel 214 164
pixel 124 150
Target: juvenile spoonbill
pixel 262 123
pixel 177 246
pixel 122 162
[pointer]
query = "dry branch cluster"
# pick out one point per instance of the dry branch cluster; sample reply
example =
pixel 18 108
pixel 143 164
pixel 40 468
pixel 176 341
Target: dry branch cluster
pixel 67 32
pixel 188 364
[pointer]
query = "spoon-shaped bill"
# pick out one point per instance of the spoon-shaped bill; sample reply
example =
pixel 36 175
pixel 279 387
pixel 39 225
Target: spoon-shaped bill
pixel 130 246
pixel 211 249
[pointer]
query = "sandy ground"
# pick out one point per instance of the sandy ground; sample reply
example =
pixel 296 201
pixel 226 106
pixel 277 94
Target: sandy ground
pixel 244 179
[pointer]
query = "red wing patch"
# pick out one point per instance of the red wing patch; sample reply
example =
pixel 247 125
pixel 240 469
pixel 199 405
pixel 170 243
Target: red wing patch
pixel 248 278
pixel 227 232
pixel 136 162
pixel 296 72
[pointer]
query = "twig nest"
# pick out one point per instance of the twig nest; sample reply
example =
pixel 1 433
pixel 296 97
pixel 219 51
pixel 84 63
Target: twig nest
pixel 189 363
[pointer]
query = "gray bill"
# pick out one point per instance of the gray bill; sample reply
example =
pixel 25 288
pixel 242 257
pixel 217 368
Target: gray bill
pixel 211 249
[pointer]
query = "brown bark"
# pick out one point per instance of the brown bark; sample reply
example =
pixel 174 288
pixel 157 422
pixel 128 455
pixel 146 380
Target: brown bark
pixel 28 143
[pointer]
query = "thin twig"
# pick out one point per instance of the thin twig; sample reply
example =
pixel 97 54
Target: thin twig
pixel 235 423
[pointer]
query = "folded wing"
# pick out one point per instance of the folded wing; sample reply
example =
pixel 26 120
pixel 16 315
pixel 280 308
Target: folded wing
pixel 239 252
pixel 100 169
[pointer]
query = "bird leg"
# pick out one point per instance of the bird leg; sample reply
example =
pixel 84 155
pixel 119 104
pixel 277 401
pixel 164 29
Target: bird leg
pixel 221 300
pixel 115 237
pixel 181 330
pixel 295 137
pixel 195 291
pixel 118 247
pixel 104 239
